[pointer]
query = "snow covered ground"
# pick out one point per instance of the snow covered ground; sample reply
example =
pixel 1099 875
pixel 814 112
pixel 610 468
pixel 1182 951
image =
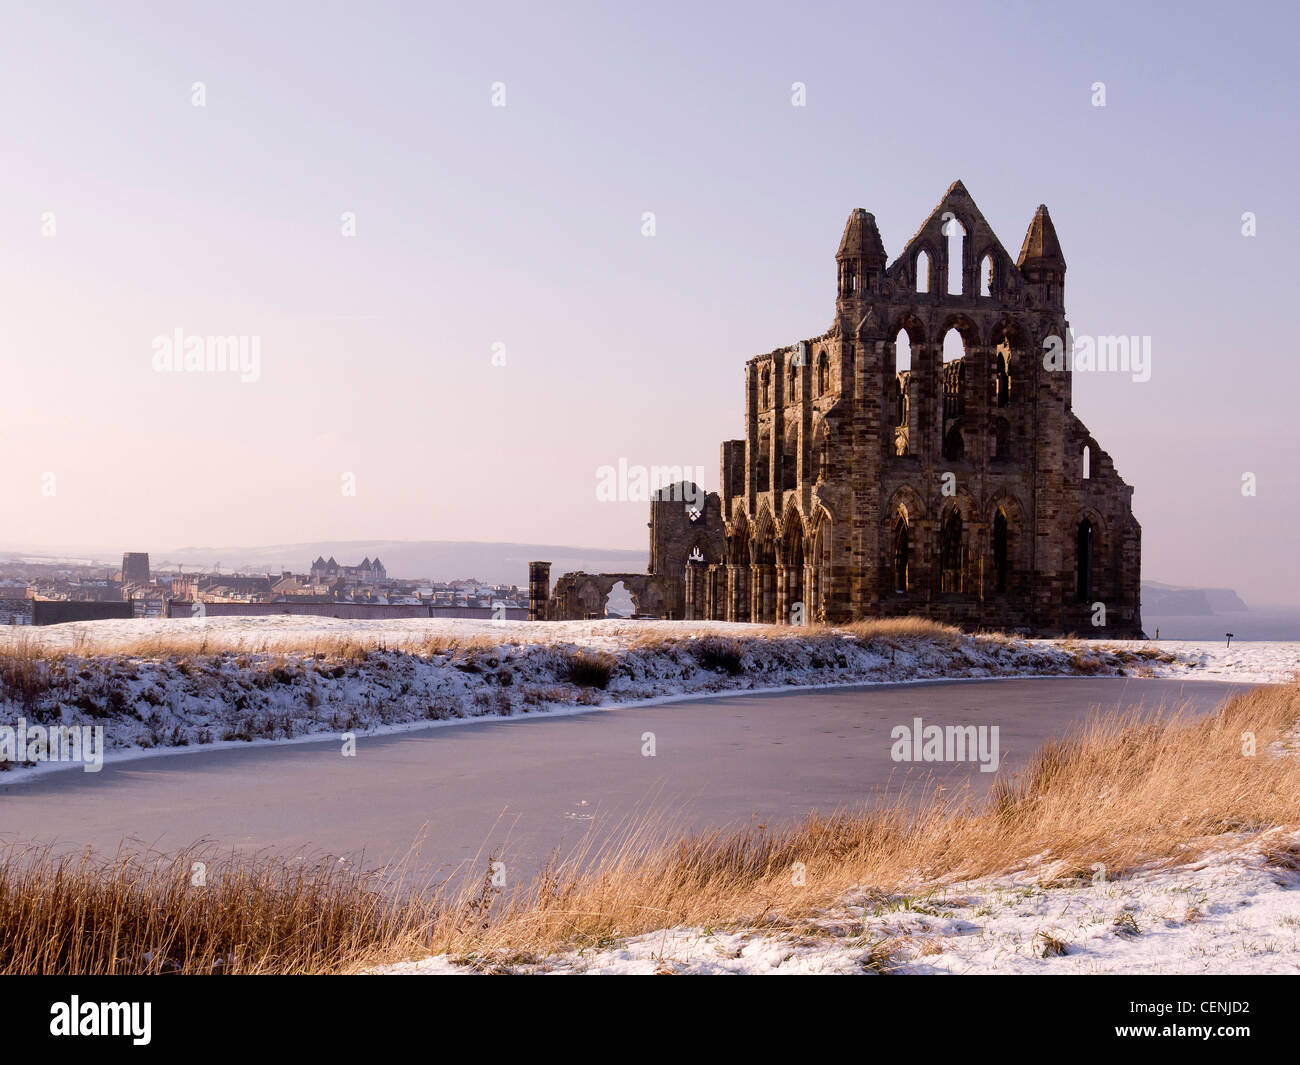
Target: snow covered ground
pixel 275 679
pixel 1233 911
pixel 1244 662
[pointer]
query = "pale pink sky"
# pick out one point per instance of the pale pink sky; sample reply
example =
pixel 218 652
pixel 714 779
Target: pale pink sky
pixel 522 225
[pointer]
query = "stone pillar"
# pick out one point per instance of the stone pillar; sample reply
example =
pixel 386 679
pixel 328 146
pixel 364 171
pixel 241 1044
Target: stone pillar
pixel 693 607
pixel 738 602
pixel 925 403
pixel 539 589
pixel 979 401
pixel 762 593
pixel 812 593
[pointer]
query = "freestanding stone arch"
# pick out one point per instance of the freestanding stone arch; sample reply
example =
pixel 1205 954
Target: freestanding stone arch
pixel 580 596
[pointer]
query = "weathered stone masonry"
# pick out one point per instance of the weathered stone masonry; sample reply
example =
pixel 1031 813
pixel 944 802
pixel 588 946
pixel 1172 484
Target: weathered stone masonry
pixel 965 491
pixel 686 533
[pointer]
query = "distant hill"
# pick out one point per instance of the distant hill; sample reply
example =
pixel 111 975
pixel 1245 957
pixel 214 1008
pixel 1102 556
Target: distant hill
pixel 1170 600
pixel 444 560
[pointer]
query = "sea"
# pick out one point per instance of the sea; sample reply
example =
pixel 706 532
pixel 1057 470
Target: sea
pixel 1257 623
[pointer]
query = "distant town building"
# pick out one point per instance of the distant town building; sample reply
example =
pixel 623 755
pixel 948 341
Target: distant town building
pixel 50 593
pixel 135 567
pixel 329 570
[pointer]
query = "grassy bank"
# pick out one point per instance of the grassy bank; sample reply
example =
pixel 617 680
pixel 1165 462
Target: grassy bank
pixel 188 685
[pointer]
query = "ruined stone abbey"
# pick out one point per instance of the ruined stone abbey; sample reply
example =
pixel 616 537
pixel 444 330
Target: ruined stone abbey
pixel 877 478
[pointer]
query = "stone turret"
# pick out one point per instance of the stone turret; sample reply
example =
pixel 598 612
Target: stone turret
pixel 861 258
pixel 1041 262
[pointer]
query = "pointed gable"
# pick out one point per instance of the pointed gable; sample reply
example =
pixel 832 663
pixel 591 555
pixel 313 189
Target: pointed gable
pixel 980 241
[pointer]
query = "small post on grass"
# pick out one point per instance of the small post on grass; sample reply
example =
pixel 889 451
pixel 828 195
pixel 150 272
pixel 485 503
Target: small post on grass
pixel 1229 639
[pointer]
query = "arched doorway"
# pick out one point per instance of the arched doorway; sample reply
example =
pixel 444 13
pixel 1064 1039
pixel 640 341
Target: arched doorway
pixel 1001 555
pixel 902 553
pixel 763 574
pixel 737 577
pixel 1083 562
pixel 952 554
pixel 794 609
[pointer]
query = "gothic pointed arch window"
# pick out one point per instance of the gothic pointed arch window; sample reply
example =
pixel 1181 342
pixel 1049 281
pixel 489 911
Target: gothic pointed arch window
pixel 902 552
pixel 902 374
pixel 1083 561
pixel 902 352
pixel 956 234
pixel 954 443
pixel 823 374
pixel 763 469
pixel 952 554
pixel 790 460
pixel 1001 556
pixel 953 379
pixel 1001 380
pixel 986 276
pixel 923 272
pixel 822 451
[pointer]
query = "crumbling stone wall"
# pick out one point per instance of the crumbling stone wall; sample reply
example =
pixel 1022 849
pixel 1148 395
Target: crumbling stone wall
pixel 954 491
pixel 957 491
pixel 686 530
pixel 581 596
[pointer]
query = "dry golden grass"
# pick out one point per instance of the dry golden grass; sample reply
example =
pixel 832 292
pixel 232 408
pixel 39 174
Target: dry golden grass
pixel 867 629
pixel 893 628
pixel 26 654
pixel 1125 791
pixel 139 913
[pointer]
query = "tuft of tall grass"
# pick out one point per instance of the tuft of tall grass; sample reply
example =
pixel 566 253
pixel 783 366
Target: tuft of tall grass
pixel 720 654
pixel 907 626
pixel 590 669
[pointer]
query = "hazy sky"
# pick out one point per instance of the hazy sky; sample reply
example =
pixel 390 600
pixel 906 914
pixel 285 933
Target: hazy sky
pixel 522 226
